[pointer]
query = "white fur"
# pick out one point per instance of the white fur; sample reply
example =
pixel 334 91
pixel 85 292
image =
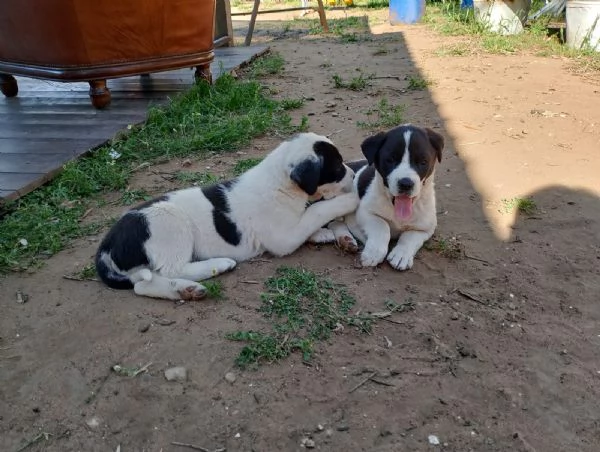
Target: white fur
pixel 267 207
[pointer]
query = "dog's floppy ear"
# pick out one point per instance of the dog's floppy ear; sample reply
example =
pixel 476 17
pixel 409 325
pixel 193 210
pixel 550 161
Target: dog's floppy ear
pixel 371 146
pixel 437 141
pixel 307 174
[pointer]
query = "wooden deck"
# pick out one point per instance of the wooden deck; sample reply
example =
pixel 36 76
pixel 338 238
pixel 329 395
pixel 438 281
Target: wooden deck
pixel 50 123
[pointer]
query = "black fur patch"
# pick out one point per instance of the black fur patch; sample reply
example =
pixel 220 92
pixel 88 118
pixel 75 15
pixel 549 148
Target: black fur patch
pixel 332 169
pixel 364 180
pixel 124 243
pixel 226 228
pixel 357 164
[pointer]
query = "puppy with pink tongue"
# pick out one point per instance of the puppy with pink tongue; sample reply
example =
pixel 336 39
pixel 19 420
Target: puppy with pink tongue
pixel 397 194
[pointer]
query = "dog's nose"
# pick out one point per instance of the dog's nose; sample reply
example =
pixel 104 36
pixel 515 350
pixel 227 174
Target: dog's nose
pixel 405 185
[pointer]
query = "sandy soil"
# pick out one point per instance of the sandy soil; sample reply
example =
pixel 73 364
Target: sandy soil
pixel 502 352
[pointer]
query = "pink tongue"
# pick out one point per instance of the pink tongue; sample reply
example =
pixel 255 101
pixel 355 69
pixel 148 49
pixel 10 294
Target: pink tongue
pixel 403 207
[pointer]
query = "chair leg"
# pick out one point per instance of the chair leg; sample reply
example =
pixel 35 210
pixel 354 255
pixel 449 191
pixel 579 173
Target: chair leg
pixel 252 22
pixel 322 17
pixel 99 94
pixel 8 85
pixel 203 73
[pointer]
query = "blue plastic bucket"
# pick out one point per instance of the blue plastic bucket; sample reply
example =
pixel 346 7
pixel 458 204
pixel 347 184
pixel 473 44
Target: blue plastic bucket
pixel 406 11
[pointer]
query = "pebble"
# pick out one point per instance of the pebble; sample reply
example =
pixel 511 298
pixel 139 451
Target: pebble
pixel 454 316
pixel 329 432
pixel 93 422
pixel 230 377
pixel 143 328
pixel 176 374
pixel 308 443
pixel 343 428
pixel 433 440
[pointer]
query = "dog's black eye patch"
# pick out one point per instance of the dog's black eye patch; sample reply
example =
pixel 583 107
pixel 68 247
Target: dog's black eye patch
pixel 332 169
pixel 227 229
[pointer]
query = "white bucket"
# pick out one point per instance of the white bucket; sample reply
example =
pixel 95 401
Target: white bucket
pixel 583 24
pixel 502 16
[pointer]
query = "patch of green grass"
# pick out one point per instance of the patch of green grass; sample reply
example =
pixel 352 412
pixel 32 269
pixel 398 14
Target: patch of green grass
pixel 358 83
pixel 303 308
pixel 525 206
pixel 348 29
pixel 449 18
pixel 207 118
pixel 196 178
pixel 417 83
pixel 241 166
pixel 459 49
pixel 449 248
pixel 87 272
pixel 270 64
pixel 386 116
pixel 214 289
pixel 129 197
pixel 292 104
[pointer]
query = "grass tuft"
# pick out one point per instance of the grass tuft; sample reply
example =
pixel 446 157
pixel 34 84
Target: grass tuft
pixel 304 308
pixel 214 289
pixel 525 206
pixel 386 116
pixel 241 166
pixel 270 64
pixel 358 83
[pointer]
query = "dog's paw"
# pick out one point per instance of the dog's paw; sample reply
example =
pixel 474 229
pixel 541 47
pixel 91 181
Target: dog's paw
pixel 400 258
pixel 192 292
pixel 372 256
pixel 323 235
pixel 347 243
pixel 222 265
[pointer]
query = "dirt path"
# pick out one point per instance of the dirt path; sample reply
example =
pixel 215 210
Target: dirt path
pixel 502 351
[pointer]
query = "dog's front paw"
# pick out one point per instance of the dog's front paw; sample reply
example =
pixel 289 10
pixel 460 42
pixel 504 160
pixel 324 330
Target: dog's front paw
pixel 222 265
pixel 192 292
pixel 323 235
pixel 400 258
pixel 372 255
pixel 347 243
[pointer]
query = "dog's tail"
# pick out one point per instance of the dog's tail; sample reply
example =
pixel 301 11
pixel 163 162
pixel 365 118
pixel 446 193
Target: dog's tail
pixel 109 276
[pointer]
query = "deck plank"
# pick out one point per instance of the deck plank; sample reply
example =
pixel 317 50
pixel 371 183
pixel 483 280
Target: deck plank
pixel 50 123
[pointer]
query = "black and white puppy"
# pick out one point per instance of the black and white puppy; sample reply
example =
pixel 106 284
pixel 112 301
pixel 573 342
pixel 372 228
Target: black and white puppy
pixel 397 195
pixel 163 247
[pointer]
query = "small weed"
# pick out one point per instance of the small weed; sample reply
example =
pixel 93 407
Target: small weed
pixel 196 178
pixel 459 49
pixel 417 83
pixel 241 166
pixel 292 104
pixel 87 272
pixel 270 64
pixel 129 197
pixel 381 51
pixel 525 206
pixel 304 308
pixel 214 289
pixel 448 248
pixel 387 116
pixel 357 83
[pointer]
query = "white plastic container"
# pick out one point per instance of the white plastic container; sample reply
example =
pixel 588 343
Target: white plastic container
pixel 502 16
pixel 583 24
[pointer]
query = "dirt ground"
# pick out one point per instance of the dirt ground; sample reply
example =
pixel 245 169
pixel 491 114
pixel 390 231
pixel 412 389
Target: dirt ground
pixel 502 352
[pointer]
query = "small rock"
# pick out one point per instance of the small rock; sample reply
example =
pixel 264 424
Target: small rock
pixel 164 322
pixel 22 297
pixel 320 428
pixel 308 443
pixel 343 427
pixel 237 435
pixel 143 328
pixel 454 316
pixel 433 440
pixel 186 163
pixel 335 115
pixel 176 374
pixel 329 432
pixel 230 377
pixel 93 422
